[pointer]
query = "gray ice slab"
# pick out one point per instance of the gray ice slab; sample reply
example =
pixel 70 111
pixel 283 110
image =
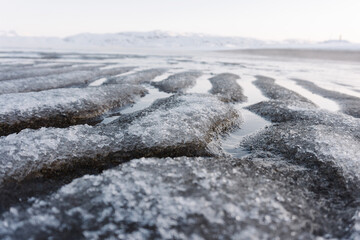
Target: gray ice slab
pixel 74 78
pixel 187 198
pixel 225 85
pixel 349 104
pixel 179 82
pixel 140 77
pixel 181 125
pixel 62 107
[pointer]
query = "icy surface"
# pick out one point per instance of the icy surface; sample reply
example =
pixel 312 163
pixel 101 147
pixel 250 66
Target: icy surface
pixel 271 90
pixel 74 78
pixel 40 71
pixel 144 76
pixel 295 177
pixel 183 198
pixel 22 70
pixel 62 107
pixel 349 104
pixel 178 82
pixel 226 86
pixel 312 143
pixel 181 125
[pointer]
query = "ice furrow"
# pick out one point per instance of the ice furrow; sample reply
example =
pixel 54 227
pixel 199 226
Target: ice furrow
pixel 74 78
pixel 144 76
pixel 165 198
pixel 178 82
pixel 273 91
pixel 225 85
pixel 349 104
pixel 62 107
pixel 42 71
pixel 181 125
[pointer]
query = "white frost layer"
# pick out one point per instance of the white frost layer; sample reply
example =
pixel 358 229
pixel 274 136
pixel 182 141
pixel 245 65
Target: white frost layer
pixel 59 99
pixel 57 81
pixel 180 198
pixel 183 125
pixel 33 72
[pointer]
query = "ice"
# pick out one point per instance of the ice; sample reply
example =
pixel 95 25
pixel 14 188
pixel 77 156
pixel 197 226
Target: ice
pixel 207 173
pixel 273 91
pixel 349 104
pixel 27 67
pixel 309 143
pixel 307 133
pixel 225 85
pixel 41 71
pixel 281 111
pixel 41 83
pixel 320 101
pixel 185 198
pixel 144 76
pixel 170 127
pixel 62 107
pixel 178 82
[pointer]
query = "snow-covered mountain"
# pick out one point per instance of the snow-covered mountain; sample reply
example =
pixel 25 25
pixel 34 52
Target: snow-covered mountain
pixel 161 39
pixel 158 40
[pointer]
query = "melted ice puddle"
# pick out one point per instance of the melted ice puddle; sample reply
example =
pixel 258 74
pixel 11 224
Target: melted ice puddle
pixel 252 123
pixel 97 82
pixel 141 104
pixel 202 85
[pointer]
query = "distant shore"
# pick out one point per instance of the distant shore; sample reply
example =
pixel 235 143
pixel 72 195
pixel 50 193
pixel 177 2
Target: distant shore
pixel 325 54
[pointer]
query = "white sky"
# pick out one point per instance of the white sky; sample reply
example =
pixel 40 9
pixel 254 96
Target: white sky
pixel 263 19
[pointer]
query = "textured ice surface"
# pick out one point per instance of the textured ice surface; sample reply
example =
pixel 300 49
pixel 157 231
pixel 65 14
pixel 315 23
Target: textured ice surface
pixel 273 91
pixel 178 82
pixel 144 76
pixel 73 78
pixel 186 198
pixel 325 142
pixel 309 143
pixel 181 125
pixel 62 107
pixel 40 71
pixel 349 104
pixel 308 133
pixel 296 179
pixel 280 111
pixel 226 86
pixel 27 67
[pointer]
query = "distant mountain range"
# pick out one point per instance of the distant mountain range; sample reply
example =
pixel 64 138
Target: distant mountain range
pixel 158 40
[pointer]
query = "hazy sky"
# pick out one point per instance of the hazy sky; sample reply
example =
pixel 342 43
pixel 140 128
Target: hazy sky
pixel 264 19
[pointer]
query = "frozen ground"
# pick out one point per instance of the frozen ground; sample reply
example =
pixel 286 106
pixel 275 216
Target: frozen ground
pixel 193 146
